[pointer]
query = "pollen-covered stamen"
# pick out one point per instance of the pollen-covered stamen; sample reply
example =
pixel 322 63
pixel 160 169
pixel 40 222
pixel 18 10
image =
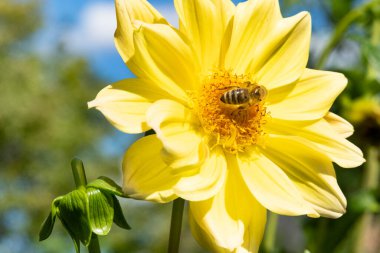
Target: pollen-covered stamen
pixel 227 115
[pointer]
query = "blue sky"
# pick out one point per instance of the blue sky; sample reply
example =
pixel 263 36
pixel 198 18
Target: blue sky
pixel 86 28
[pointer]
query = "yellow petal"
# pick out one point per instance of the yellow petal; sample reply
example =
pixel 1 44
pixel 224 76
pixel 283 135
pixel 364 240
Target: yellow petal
pixel 309 98
pixel 232 221
pixel 252 23
pixel 207 182
pixel 320 136
pixel 285 53
pixel 203 23
pixel 163 56
pixel 340 125
pixel 145 175
pixel 125 103
pixel 127 11
pixel 271 186
pixel 311 172
pixel 180 133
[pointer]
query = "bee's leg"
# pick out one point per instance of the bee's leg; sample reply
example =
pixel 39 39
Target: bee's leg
pixel 235 114
pixel 240 115
pixel 251 102
pixel 253 110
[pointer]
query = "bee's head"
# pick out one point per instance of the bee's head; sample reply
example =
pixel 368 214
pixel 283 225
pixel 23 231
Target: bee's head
pixel 259 93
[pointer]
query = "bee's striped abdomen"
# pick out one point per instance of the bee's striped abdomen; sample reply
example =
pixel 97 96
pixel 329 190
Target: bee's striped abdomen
pixel 236 96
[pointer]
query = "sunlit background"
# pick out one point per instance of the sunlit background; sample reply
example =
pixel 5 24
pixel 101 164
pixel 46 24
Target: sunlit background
pixel 56 55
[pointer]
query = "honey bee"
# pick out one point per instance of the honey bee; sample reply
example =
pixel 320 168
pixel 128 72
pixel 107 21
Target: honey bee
pixel 244 97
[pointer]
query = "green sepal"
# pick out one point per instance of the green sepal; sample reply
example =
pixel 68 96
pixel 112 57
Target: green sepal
pixel 101 211
pixel 87 211
pixel 72 235
pixel 118 217
pixel 106 184
pixel 73 212
pixel 48 225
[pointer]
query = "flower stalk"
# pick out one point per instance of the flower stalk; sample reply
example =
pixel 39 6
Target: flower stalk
pixel 271 231
pixel 78 173
pixel 81 181
pixel 176 225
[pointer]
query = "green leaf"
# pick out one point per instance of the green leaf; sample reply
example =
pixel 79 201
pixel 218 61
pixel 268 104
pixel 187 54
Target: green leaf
pixel 364 201
pixel 100 211
pixel 118 217
pixel 73 212
pixel 48 225
pixel 107 185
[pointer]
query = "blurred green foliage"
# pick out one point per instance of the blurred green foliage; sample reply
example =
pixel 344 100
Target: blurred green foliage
pixel 15 22
pixel 358 231
pixel 44 122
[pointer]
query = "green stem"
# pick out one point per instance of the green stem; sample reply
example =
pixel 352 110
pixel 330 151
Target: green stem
pixel 322 230
pixel 78 172
pixel 81 181
pixel 176 225
pixel 94 246
pixel 271 231
pixel 341 28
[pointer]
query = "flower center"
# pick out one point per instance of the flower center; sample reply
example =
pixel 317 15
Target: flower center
pixel 231 110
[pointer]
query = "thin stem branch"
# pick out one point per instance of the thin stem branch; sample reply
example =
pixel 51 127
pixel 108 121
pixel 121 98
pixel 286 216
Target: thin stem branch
pixel 81 181
pixel 341 29
pixel 176 225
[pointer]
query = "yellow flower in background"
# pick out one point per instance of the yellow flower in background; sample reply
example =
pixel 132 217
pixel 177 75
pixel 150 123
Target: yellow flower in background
pixel 241 124
pixel 364 113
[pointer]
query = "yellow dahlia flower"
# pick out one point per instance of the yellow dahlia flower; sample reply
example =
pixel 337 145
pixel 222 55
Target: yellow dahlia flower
pixel 241 124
